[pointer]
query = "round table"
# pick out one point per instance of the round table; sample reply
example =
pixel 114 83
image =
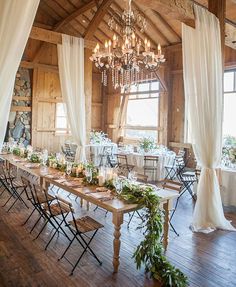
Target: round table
pixel 137 159
pixel 228 186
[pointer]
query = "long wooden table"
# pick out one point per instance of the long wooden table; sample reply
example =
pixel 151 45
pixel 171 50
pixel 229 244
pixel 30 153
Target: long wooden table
pixel 116 206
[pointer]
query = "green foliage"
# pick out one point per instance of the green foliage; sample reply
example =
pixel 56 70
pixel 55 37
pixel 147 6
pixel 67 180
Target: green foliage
pixel 34 158
pixel 150 251
pixel 147 143
pixel 16 151
pixel 109 184
pixel 94 180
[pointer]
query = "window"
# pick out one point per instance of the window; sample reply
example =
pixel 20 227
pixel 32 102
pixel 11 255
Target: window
pixel 61 123
pixel 229 127
pixel 142 113
pixel 229 115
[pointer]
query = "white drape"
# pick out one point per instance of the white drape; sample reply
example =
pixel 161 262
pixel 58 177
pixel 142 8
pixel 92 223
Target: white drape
pixel 16 20
pixel 71 71
pixel 202 62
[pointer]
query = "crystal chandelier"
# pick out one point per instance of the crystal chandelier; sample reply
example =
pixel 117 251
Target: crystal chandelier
pixel 127 57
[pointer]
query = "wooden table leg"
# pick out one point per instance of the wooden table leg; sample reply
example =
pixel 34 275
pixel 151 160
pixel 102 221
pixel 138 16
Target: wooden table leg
pixel 88 205
pixel 166 225
pixel 117 221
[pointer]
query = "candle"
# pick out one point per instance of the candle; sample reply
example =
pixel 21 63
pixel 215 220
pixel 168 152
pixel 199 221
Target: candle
pixel 148 45
pixel 145 43
pixel 133 40
pixel 106 46
pixel 109 174
pixel 109 46
pixel 159 49
pixel 114 41
pixel 101 180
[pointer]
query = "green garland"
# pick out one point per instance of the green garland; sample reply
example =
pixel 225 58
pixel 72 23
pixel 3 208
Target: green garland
pixel 150 251
pixel 16 151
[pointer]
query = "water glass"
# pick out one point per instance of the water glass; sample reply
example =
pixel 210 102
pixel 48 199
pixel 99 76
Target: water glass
pixel 68 168
pixel 132 176
pixel 89 174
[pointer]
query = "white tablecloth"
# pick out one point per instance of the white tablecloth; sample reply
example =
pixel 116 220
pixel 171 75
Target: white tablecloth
pixel 228 186
pixel 137 160
pixel 97 149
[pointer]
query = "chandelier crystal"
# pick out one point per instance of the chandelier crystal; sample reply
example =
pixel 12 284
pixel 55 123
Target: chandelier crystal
pixel 127 57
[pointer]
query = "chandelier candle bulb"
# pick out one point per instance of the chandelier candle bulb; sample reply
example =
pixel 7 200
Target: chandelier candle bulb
pixel 159 50
pixel 145 43
pixel 133 40
pixel 114 41
pixel 109 46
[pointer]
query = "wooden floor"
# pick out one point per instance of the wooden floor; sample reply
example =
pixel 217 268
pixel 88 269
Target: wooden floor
pixel 209 260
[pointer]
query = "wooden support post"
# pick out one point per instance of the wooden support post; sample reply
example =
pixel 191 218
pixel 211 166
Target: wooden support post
pixel 218 8
pixel 88 90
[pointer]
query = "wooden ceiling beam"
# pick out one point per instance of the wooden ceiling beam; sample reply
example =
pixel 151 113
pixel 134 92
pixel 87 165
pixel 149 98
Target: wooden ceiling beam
pixel 141 35
pixel 54 37
pixel 151 24
pixel 182 10
pixel 166 24
pixel 97 18
pixel 74 15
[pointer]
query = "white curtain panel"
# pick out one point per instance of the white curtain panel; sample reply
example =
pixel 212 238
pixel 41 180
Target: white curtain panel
pixel 202 63
pixel 71 71
pixel 16 20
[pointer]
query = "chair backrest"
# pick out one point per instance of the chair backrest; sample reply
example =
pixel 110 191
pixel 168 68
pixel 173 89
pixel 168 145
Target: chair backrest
pixel 150 161
pixel 181 152
pixel 197 173
pixel 142 177
pixel 7 174
pixel 172 185
pixel 122 159
pixel 27 185
pixel 65 205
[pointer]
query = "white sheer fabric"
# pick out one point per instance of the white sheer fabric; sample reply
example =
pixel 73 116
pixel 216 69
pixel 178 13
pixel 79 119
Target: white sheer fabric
pixel 71 71
pixel 204 95
pixel 16 20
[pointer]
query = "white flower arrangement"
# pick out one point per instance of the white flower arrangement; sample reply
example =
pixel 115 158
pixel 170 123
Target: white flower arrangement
pixel 98 137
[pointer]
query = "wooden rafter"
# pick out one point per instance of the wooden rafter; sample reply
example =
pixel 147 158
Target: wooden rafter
pixel 54 37
pixel 100 30
pixel 166 24
pixel 75 14
pixel 97 18
pixel 182 10
pixel 141 35
pixel 151 24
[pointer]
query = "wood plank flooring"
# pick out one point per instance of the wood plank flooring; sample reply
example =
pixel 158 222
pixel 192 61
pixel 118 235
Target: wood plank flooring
pixel 209 260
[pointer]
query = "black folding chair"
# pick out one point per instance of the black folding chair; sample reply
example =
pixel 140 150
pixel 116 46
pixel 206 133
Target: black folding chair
pixel 36 198
pixel 176 187
pixel 79 228
pixel 151 166
pixel 50 211
pixel 188 181
pixel 14 187
pixel 106 156
pixel 123 166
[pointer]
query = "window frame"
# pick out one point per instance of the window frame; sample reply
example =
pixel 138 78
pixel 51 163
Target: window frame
pixel 61 131
pixel 186 127
pixel 143 95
